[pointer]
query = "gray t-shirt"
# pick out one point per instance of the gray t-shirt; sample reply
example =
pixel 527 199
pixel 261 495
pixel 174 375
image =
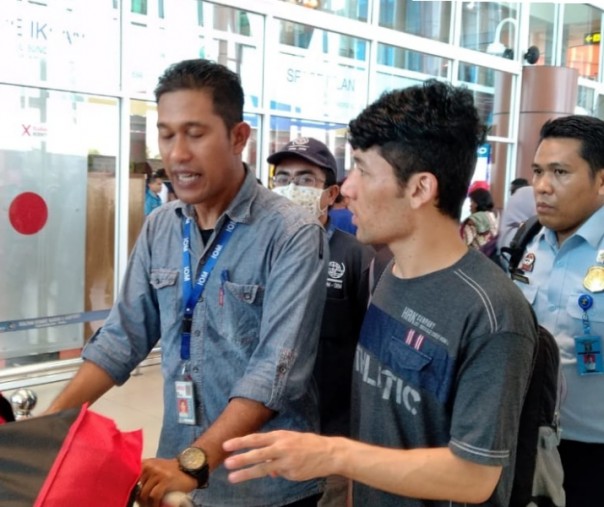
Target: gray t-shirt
pixel 444 360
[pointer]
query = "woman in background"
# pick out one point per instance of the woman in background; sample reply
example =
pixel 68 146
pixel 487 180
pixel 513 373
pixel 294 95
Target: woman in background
pixel 480 229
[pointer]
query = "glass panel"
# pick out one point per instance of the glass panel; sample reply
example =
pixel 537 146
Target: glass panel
pixel 57 187
pixel 485 158
pixel 581 39
pixel 68 46
pixel 492 90
pixel 399 68
pixel 386 80
pixel 245 60
pixel 154 47
pixel 231 20
pixel 401 58
pixel 332 134
pixel 139 6
pixel 600 107
pixel 585 101
pixel 490 27
pixel 426 19
pixel 144 162
pixel 318 73
pixel 354 9
pixel 542 31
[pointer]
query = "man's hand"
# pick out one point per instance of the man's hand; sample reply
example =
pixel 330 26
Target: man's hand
pixel 292 455
pixel 159 477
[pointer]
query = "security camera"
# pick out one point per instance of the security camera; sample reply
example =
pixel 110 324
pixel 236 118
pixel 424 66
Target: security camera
pixel 532 55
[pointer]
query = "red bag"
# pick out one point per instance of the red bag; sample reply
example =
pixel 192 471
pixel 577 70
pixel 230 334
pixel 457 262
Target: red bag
pixel 68 458
pixel 6 411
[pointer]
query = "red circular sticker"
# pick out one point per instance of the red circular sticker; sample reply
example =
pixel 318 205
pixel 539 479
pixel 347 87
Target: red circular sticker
pixel 28 213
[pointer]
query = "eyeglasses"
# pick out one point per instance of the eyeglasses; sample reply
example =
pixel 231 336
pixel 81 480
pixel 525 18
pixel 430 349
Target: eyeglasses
pixel 302 180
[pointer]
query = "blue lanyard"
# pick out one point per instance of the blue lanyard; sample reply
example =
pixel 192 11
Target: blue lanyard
pixel 191 293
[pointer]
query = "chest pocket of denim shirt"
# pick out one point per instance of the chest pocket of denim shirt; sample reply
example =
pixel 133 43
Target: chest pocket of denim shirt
pixel 428 368
pixel 241 312
pixel 164 283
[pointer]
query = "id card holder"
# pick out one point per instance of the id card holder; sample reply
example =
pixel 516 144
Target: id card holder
pixel 588 349
pixel 185 402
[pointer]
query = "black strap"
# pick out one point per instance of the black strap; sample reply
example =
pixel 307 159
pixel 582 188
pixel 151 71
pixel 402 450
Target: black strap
pixel 526 232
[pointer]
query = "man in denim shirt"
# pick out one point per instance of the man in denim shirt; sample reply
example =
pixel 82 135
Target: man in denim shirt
pixel 253 331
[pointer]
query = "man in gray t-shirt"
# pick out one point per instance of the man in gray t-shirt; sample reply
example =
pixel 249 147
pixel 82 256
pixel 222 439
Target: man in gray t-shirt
pixel 446 348
pixel 429 372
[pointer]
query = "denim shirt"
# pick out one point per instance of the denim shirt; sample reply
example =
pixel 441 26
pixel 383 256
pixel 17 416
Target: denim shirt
pixel 254 333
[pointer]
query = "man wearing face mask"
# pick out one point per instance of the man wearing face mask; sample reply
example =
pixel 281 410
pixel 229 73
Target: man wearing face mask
pixel 305 173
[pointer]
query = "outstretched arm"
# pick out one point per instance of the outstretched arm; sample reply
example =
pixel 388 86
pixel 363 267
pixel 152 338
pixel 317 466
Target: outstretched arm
pixel 88 385
pixel 434 474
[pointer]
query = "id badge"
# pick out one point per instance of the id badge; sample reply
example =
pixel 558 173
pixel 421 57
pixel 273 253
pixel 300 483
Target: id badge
pixel 589 355
pixel 185 402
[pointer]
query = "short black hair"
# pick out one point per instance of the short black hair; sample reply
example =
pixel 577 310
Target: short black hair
pixel 587 129
pixel 483 199
pixel 161 172
pixel 433 127
pixel 518 183
pixel 199 74
pixel 153 177
pixel 330 177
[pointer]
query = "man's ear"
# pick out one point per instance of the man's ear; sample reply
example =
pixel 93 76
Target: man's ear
pixel 600 181
pixel 422 188
pixel 331 193
pixel 240 133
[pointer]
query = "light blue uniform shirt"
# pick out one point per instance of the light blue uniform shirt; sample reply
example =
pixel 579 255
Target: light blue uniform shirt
pixel 255 329
pixel 554 287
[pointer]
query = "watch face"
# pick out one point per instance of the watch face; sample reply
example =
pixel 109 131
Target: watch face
pixel 192 458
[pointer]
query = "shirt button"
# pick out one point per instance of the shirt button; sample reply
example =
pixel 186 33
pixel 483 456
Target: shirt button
pixel 552 308
pixel 195 369
pixel 197 333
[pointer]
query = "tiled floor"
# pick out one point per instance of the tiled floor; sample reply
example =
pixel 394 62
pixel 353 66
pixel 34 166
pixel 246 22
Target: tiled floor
pixel 138 404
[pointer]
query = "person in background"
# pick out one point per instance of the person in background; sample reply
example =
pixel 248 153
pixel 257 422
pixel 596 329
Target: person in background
pixel 305 172
pixel 480 229
pixel 519 208
pixel 152 198
pixel 475 185
pixel 563 278
pixel 517 184
pixel 339 214
pixel 167 192
pixel 447 345
pixel 232 277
